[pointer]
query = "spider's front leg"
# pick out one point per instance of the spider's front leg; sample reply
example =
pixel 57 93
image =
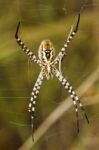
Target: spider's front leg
pixel 73 95
pixel 72 33
pixel 32 103
pixel 25 48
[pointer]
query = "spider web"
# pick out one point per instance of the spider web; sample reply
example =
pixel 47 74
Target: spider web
pixel 19 118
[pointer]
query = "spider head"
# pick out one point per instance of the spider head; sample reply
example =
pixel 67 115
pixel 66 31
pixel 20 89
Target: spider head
pixel 46 51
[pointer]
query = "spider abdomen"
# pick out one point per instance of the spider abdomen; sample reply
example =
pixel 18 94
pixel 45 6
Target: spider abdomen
pixel 46 51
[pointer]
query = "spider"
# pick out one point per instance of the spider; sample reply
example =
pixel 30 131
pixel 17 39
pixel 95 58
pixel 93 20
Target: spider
pixel 47 62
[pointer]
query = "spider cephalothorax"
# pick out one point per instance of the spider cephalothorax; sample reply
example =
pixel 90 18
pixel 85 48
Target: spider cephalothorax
pixel 48 69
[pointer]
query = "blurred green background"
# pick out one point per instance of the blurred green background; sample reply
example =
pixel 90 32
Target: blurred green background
pixel 52 20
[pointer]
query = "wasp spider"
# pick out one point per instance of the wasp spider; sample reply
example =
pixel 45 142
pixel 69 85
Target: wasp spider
pixel 47 63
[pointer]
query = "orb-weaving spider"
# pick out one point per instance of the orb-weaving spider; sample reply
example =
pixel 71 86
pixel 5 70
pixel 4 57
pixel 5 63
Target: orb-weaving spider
pixel 48 69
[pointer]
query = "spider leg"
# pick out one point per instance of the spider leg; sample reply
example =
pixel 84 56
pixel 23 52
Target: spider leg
pixel 32 103
pixel 73 95
pixel 72 33
pixel 25 48
pixel 82 107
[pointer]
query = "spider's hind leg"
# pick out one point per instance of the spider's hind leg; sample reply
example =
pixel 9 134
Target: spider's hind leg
pixel 82 107
pixel 32 103
pixel 73 95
